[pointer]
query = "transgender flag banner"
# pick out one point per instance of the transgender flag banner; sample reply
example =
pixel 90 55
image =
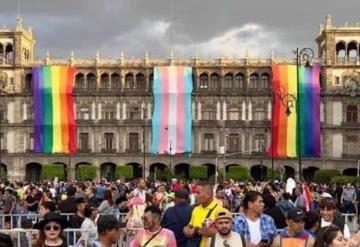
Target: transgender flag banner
pixel 172 118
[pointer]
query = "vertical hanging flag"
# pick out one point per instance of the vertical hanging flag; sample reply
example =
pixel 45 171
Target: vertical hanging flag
pixel 286 135
pixel 54 123
pixel 172 118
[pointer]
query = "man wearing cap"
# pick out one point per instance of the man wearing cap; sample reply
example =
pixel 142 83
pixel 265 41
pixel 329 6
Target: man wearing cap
pixel 294 235
pixel 224 236
pixel 79 216
pixel 175 218
pixel 68 206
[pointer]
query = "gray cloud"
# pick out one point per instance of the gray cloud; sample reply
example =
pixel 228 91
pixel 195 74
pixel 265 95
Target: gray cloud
pixel 209 26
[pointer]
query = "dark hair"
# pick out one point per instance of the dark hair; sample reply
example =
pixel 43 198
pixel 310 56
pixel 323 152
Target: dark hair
pixel 327 234
pixel 154 210
pixel 108 196
pixel 328 203
pixel 269 201
pixel 311 219
pixel 251 196
pixel 286 196
pixel 49 205
pixel 107 223
pixel 88 210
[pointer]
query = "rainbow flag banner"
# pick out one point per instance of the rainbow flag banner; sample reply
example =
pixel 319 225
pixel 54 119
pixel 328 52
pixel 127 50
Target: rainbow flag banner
pixel 172 119
pixel 285 133
pixel 54 124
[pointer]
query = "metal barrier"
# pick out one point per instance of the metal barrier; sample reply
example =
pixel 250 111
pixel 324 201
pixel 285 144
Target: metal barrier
pixel 25 238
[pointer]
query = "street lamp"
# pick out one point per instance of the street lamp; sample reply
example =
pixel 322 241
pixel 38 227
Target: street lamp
pixel 144 143
pixel 170 149
pixel 2 114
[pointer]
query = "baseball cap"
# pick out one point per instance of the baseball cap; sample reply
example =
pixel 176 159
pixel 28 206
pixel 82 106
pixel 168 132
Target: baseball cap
pixel 223 214
pixel 182 194
pixel 296 214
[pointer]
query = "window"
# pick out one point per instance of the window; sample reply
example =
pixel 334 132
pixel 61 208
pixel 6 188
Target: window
pixel 28 82
pixel 115 81
pixel 109 139
pixel 351 138
pixel 104 81
pixel 337 80
pixel 140 81
pixel 134 142
pixel 209 142
pixel 233 144
pixel 129 81
pixel 204 81
pixel 134 113
pixel 31 142
pixel 3 113
pixel 259 113
pixel 340 52
pixel 3 77
pixel 84 141
pixel 351 114
pixel 228 82
pixel 264 81
pixel 2 140
pixel 83 113
pixel 79 81
pixel 209 113
pixel 30 112
pixel 351 145
pixel 239 81
pixel 151 81
pixel 91 81
pixel 214 81
pixel 259 143
pixel 108 113
pixel 254 81
pixel 233 114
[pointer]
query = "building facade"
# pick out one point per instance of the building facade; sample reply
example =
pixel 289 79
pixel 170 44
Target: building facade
pixel 231 110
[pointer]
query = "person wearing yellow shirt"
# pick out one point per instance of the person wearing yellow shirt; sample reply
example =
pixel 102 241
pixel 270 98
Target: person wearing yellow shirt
pixel 201 226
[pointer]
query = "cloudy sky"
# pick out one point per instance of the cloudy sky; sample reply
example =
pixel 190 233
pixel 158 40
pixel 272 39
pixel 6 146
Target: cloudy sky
pixel 210 27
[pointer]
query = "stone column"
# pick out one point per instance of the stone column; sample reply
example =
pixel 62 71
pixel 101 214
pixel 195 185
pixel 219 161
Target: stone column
pixel 218 110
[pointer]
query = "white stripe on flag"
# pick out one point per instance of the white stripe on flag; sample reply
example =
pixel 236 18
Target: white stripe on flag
pixel 172 109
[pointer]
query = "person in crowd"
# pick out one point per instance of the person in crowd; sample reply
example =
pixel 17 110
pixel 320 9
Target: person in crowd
pixel 9 201
pixel 285 203
pixel 90 195
pixel 201 226
pixel 274 211
pixel 5 240
pixel 332 236
pixel 51 231
pixel 312 223
pixel 46 207
pixel 238 196
pixel 79 217
pixel 140 190
pixel 100 190
pixel 68 206
pixel 175 185
pixel 294 235
pixel 107 205
pixel 88 227
pixel 220 197
pixel 225 236
pixel 348 198
pixel 108 228
pixel 80 190
pixel 270 189
pixel 160 196
pixel 330 216
pixel 153 234
pixel 253 224
pixel 176 218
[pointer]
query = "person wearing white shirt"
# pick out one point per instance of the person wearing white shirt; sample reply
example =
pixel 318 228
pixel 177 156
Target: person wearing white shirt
pixel 88 227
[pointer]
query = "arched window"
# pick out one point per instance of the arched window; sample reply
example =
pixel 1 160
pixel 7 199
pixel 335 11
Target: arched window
pixel 340 52
pixel 351 114
pixel 239 81
pixel 254 81
pixel 228 81
pixel 79 81
pixel 3 112
pixel 28 82
pixel 264 81
pixel 352 52
pixel 104 81
pixel 91 81
pixel 9 54
pixel 151 81
pixel 214 81
pixel 1 53
pixel 204 81
pixel 129 81
pixel 140 81
pixel 115 81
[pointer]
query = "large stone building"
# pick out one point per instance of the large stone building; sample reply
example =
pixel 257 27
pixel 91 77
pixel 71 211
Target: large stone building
pixel 232 102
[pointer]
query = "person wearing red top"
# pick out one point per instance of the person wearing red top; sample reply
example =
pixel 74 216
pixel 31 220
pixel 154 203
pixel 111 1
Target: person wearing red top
pixel 175 185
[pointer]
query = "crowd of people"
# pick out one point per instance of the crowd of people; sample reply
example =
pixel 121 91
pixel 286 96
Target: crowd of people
pixel 179 213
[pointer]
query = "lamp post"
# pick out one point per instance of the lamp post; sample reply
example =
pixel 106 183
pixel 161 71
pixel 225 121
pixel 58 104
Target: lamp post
pixel 170 149
pixel 144 143
pixel 1 134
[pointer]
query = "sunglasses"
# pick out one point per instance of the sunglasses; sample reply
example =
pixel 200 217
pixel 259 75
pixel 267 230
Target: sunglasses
pixel 54 227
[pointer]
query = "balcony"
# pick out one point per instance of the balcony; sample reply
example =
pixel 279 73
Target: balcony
pixel 108 151
pixel 350 124
pixel 84 151
pixel 133 151
pixel 351 156
pixel 208 152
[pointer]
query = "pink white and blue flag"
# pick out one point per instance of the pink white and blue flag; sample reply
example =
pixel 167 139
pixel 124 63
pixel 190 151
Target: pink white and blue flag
pixel 172 118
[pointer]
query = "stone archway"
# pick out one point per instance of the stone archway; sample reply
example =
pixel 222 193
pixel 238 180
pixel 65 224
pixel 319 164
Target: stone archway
pixel 211 169
pixel 309 173
pixel 258 172
pixel 137 169
pixel 107 171
pixel 33 172
pixel 158 167
pixel 289 172
pixel 182 170
pixel 64 167
pixel 350 172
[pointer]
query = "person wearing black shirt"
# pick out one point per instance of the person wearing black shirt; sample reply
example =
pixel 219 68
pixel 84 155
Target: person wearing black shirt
pixel 78 218
pixel 91 199
pixel 68 206
pixel 31 201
